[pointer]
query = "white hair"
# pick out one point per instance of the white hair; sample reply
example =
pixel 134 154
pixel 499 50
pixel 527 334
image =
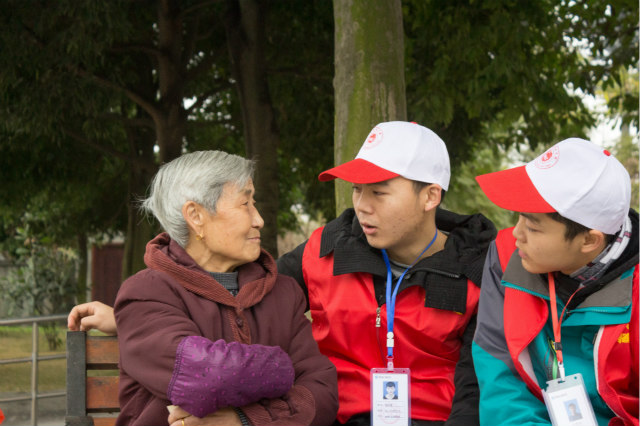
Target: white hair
pixel 197 176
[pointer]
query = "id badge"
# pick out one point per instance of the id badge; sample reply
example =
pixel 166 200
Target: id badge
pixel 390 396
pixel 568 403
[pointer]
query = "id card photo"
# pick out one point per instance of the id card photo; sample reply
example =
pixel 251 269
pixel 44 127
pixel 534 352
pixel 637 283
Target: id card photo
pixel 568 404
pixel 390 398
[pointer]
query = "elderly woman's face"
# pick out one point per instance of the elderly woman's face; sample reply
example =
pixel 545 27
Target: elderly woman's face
pixel 232 234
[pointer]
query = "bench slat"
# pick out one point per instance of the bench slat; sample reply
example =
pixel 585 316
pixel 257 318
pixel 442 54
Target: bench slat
pixel 104 421
pixel 102 394
pixel 102 353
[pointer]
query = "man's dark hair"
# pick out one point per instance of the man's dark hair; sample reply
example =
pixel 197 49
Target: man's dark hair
pixel 573 229
pixel 417 187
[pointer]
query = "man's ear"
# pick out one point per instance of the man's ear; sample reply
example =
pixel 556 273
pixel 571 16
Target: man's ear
pixel 433 195
pixel 594 241
pixel 193 215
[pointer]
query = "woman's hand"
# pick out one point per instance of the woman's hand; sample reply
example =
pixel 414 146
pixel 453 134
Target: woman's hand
pixel 222 417
pixel 91 315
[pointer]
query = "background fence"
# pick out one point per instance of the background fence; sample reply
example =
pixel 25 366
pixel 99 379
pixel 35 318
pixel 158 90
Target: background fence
pixel 33 395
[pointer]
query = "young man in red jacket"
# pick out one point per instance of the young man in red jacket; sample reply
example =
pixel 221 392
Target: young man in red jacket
pixel 396 264
pixel 557 329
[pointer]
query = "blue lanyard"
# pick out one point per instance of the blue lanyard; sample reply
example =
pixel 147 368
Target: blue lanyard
pixel 391 297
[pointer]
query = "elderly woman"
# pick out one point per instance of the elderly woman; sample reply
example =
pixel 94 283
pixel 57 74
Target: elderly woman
pixel 210 326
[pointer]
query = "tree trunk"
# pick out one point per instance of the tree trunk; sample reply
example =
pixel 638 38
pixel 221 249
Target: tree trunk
pixel 81 289
pixel 140 229
pixel 170 124
pixel 246 35
pixel 141 141
pixel 171 118
pixel 369 76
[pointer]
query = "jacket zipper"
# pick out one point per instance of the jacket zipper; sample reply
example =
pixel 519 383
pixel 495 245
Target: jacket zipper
pixel 378 325
pixel 596 350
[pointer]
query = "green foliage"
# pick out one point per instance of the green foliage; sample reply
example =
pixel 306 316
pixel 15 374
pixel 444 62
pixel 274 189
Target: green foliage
pixel 53 117
pixel 76 147
pixel 45 281
pixel 300 57
pixel 474 67
pixel 84 144
pixel 501 80
pixel 466 197
pixel 83 100
pixel 626 150
pixel 608 33
pixel 621 95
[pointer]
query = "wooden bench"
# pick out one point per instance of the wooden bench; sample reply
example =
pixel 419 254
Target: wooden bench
pixel 92 380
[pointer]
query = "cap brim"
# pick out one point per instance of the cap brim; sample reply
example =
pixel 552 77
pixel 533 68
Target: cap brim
pixel 512 189
pixel 357 171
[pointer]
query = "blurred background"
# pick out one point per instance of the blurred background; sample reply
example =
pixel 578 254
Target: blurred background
pixel 96 95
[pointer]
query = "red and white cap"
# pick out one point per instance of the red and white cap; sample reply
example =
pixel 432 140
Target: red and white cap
pixel 576 178
pixel 397 148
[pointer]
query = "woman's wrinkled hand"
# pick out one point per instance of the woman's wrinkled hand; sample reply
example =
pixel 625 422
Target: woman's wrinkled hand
pixel 223 417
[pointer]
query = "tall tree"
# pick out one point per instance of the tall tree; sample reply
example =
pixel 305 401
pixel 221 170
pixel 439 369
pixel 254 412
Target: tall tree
pixel 512 72
pixel 245 26
pixel 140 64
pixel 300 72
pixel 89 89
pixel 369 75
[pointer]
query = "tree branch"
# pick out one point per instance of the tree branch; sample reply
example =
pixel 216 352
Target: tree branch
pixel 294 71
pixel 147 105
pixel 203 97
pixel 135 122
pixel 204 124
pixel 203 66
pixel 189 43
pixel 129 48
pixel 32 36
pixel 107 150
pixel 198 6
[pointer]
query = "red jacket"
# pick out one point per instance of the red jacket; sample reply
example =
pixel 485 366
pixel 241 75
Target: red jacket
pixel 428 340
pixel 615 348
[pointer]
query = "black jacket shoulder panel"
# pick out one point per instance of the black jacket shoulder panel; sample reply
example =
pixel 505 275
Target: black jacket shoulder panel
pixel 444 275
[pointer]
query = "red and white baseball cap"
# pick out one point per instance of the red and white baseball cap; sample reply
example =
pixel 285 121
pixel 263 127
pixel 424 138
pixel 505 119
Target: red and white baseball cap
pixel 576 178
pixel 397 148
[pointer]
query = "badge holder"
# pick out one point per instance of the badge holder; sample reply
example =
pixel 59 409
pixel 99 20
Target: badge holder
pixel 566 398
pixel 391 387
pixel 390 396
pixel 568 403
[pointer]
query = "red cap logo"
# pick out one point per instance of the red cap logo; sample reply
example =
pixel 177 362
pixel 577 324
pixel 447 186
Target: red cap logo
pixel 374 138
pixel 548 159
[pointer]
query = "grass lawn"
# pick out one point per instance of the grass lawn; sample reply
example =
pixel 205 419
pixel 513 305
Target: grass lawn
pixel 15 342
